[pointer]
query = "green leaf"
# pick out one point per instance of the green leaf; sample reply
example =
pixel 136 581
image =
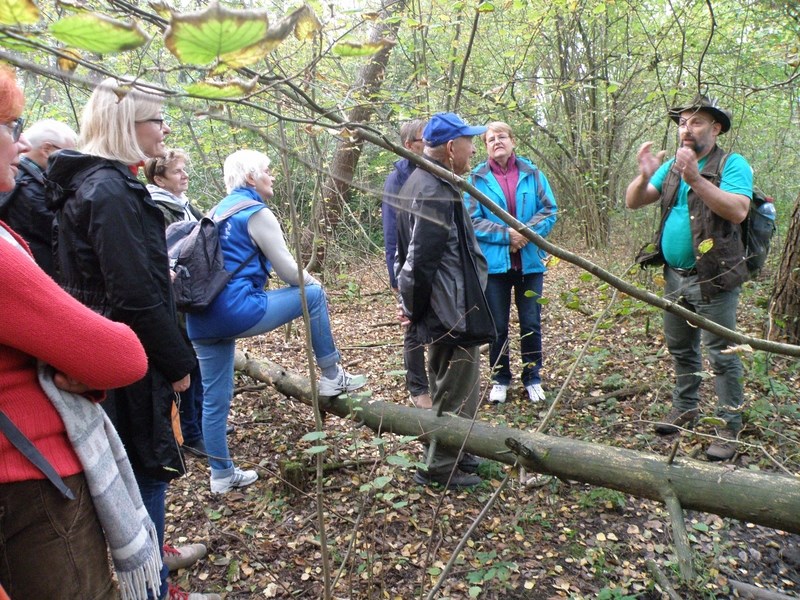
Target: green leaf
pixel 398 460
pixel 97 33
pixel 705 245
pixel 381 482
pixel 202 37
pixel 315 449
pixel 485 7
pixel 700 526
pixel 585 276
pixel 217 90
pixel 355 49
pixel 18 12
pixel 475 591
pixel 313 436
pixel 397 373
pixel 543 301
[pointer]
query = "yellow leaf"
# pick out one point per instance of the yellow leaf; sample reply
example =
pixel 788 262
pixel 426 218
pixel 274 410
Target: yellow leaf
pixel 65 65
pixel 705 245
pixel 18 12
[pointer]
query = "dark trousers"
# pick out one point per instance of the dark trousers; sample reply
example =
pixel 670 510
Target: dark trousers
pixel 191 410
pixel 154 497
pixel 414 362
pixel 51 547
pixel 527 291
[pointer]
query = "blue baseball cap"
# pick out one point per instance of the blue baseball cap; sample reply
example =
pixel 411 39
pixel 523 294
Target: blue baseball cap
pixel 447 126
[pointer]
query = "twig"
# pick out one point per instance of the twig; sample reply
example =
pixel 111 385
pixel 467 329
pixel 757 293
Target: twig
pixel 661 579
pixel 755 593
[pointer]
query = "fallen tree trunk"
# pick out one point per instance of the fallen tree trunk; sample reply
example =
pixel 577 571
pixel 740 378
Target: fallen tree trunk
pixel 772 500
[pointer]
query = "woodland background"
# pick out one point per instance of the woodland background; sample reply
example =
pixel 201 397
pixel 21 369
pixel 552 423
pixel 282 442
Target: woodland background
pixel 323 88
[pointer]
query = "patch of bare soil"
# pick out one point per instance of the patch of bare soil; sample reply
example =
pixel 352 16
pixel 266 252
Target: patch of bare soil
pixel 387 537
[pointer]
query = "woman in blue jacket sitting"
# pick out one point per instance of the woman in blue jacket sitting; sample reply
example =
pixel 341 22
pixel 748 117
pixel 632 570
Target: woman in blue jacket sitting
pixel 245 308
pixel 517 186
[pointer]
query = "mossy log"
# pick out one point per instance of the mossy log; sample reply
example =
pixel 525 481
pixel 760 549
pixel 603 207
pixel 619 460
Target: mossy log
pixel 768 499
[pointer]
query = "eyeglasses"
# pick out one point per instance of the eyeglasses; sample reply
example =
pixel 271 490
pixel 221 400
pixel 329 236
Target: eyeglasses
pixel 15 128
pixel 693 122
pixel 502 137
pixel 160 122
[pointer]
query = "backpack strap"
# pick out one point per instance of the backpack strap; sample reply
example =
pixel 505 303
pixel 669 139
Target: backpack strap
pixel 239 206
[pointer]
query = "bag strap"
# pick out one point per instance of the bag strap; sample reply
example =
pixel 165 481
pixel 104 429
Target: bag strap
pixel 229 213
pixel 20 441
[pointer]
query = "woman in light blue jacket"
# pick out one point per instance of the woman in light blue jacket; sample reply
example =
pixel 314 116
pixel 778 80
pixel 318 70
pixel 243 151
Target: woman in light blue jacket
pixel 518 187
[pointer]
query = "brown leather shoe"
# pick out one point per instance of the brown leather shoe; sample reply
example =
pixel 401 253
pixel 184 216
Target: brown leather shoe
pixel 725 448
pixel 422 401
pixel 675 419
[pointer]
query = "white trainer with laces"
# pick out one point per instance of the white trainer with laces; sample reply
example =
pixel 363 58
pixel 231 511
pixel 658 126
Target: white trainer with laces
pixel 498 393
pixel 238 479
pixel 535 392
pixel 343 382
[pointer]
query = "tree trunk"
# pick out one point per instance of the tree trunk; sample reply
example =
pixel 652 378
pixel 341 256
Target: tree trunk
pixel 348 151
pixel 784 311
pixel 765 499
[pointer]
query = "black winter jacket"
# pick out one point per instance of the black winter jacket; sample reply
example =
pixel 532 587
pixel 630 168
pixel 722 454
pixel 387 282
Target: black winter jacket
pixel 111 255
pixel 441 272
pixel 24 209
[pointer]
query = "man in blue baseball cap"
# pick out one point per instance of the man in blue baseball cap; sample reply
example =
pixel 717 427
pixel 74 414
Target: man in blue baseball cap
pixel 441 276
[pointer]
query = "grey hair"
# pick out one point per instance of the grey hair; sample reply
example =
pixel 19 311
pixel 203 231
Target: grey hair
pixel 410 129
pixel 50 130
pixel 242 163
pixel 108 123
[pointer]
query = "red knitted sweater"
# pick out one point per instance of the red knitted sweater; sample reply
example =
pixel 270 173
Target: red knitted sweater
pixel 38 320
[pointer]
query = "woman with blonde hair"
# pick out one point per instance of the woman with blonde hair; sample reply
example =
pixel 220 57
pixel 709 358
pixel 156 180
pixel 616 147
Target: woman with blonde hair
pixel 111 255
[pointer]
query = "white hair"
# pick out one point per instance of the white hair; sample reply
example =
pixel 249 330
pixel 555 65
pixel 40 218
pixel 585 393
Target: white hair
pixel 242 164
pixel 50 130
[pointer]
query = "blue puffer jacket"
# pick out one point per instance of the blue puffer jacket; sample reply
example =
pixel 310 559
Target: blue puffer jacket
pixel 536 207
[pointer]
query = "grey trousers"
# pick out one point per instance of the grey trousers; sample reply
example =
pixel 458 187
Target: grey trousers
pixel 454 375
pixel 683 341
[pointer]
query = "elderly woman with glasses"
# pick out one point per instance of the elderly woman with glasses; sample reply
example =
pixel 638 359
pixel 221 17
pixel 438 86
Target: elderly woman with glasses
pixel 521 189
pixel 112 256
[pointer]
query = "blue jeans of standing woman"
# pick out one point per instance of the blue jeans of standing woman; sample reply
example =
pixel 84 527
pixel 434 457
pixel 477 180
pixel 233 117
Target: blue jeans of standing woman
pixel 216 363
pixel 527 290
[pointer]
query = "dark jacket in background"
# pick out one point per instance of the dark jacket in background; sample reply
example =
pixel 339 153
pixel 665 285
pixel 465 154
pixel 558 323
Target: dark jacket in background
pixel 25 210
pixel 111 255
pixel 441 273
pixel 402 170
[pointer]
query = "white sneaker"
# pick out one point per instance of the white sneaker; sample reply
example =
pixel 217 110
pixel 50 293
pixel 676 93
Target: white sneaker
pixel 498 393
pixel 535 392
pixel 343 382
pixel 238 479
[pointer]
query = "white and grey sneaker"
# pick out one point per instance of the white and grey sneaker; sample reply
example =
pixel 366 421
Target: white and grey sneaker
pixel 238 479
pixel 343 382
pixel 498 393
pixel 535 392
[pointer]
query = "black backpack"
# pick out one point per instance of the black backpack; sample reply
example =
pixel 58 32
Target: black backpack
pixel 757 229
pixel 195 257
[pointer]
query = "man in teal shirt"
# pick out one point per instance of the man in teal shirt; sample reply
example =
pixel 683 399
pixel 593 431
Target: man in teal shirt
pixel 700 244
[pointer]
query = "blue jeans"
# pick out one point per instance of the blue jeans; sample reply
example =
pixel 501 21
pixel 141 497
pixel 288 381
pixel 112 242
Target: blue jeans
pixel 527 291
pixel 154 497
pixel 683 342
pixel 216 364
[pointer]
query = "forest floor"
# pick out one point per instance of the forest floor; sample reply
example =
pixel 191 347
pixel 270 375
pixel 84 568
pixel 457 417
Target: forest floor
pixel 388 537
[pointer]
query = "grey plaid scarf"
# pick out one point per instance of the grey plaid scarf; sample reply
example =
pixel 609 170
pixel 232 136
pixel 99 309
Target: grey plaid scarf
pixel 130 534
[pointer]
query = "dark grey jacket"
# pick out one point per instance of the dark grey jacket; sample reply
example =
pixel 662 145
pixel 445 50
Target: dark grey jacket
pixel 441 273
